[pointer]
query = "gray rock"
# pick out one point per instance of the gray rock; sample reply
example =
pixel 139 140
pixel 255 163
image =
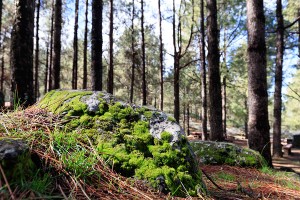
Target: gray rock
pixel 11 148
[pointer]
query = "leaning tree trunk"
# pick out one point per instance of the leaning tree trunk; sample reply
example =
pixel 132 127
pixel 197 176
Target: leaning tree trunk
pixel 277 148
pixel 203 74
pixel 36 79
pixel 144 86
pixel 110 80
pixel 97 8
pixel 22 53
pixel 84 81
pixel 213 56
pixel 258 123
pixel 75 48
pixel 57 45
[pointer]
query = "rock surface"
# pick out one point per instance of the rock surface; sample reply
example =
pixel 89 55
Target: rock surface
pixel 209 152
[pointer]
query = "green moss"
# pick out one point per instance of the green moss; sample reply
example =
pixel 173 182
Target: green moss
pixel 166 136
pixel 171 119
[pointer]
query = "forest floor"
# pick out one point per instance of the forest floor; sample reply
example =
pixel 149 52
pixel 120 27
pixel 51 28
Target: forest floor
pixel 248 183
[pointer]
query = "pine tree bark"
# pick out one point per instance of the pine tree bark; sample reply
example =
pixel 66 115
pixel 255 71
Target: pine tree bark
pixel 75 48
pixel 144 86
pixel 57 44
pixel 22 53
pixel 2 64
pixel 133 53
pixel 46 69
pixel 277 148
pixel 213 57
pixel 50 79
pixel 203 73
pixel 84 86
pixel 36 79
pixel 110 81
pixel 97 68
pixel 161 59
pixel 224 105
pixel 258 123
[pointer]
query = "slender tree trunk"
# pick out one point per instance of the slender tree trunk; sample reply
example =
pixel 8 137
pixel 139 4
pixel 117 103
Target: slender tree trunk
pixel 110 81
pixel 277 149
pixel 2 58
pixel 57 45
pixel 85 46
pixel 133 53
pixel 75 48
pixel 50 79
pixel 203 74
pixel 36 79
pixel 246 119
pixel 184 117
pixel 97 68
pixel 213 56
pixel 22 53
pixel 224 103
pixel 46 69
pixel 144 86
pixel 188 112
pixel 161 59
pixel 299 34
pixel 258 123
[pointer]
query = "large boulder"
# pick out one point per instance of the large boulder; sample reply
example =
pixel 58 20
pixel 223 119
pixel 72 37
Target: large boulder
pixel 142 142
pixel 209 152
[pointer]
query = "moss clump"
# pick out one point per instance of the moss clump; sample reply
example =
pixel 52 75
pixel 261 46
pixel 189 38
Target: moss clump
pixel 120 134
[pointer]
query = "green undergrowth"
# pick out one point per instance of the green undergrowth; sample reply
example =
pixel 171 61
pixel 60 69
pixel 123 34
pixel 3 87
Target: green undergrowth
pixel 118 134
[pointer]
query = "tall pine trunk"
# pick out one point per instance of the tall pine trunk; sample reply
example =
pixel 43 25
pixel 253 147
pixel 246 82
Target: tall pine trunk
pixel 133 53
pixel 75 48
pixel 36 79
pixel 57 45
pixel 213 57
pixel 22 53
pixel 258 123
pixel 50 79
pixel 84 81
pixel 96 68
pixel 2 64
pixel 46 69
pixel 144 86
pixel 277 149
pixel 203 74
pixel 161 59
pixel 110 81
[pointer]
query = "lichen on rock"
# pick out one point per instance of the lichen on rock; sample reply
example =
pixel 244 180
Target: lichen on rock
pixel 209 152
pixel 137 141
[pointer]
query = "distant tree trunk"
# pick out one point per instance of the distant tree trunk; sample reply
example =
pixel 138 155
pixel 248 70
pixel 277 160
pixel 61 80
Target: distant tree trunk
pixel 161 59
pixel 203 74
pixel 46 68
pixel 75 48
pixel 258 123
pixel 213 56
pixel 277 149
pixel 246 119
pixel 2 71
pixel 97 8
pixel 184 117
pixel 110 81
pixel 224 111
pixel 299 34
pixel 133 53
pixel 22 53
pixel 188 112
pixel 51 50
pixel 36 79
pixel 85 46
pixel 57 45
pixel 144 86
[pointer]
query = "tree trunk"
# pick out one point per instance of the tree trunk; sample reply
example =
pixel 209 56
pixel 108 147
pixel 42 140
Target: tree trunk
pixel 224 110
pixel 75 48
pixel 258 123
pixel 36 78
pixel 133 53
pixel 246 119
pixel 203 74
pixel 110 81
pixel 176 87
pixel 2 58
pixel 97 8
pixel 51 50
pixel 57 45
pixel 46 69
pixel 213 56
pixel 161 59
pixel 144 86
pixel 277 149
pixel 22 53
pixel 84 81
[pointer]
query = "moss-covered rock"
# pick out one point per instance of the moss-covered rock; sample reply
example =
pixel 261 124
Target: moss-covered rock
pixel 136 141
pixel 209 152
